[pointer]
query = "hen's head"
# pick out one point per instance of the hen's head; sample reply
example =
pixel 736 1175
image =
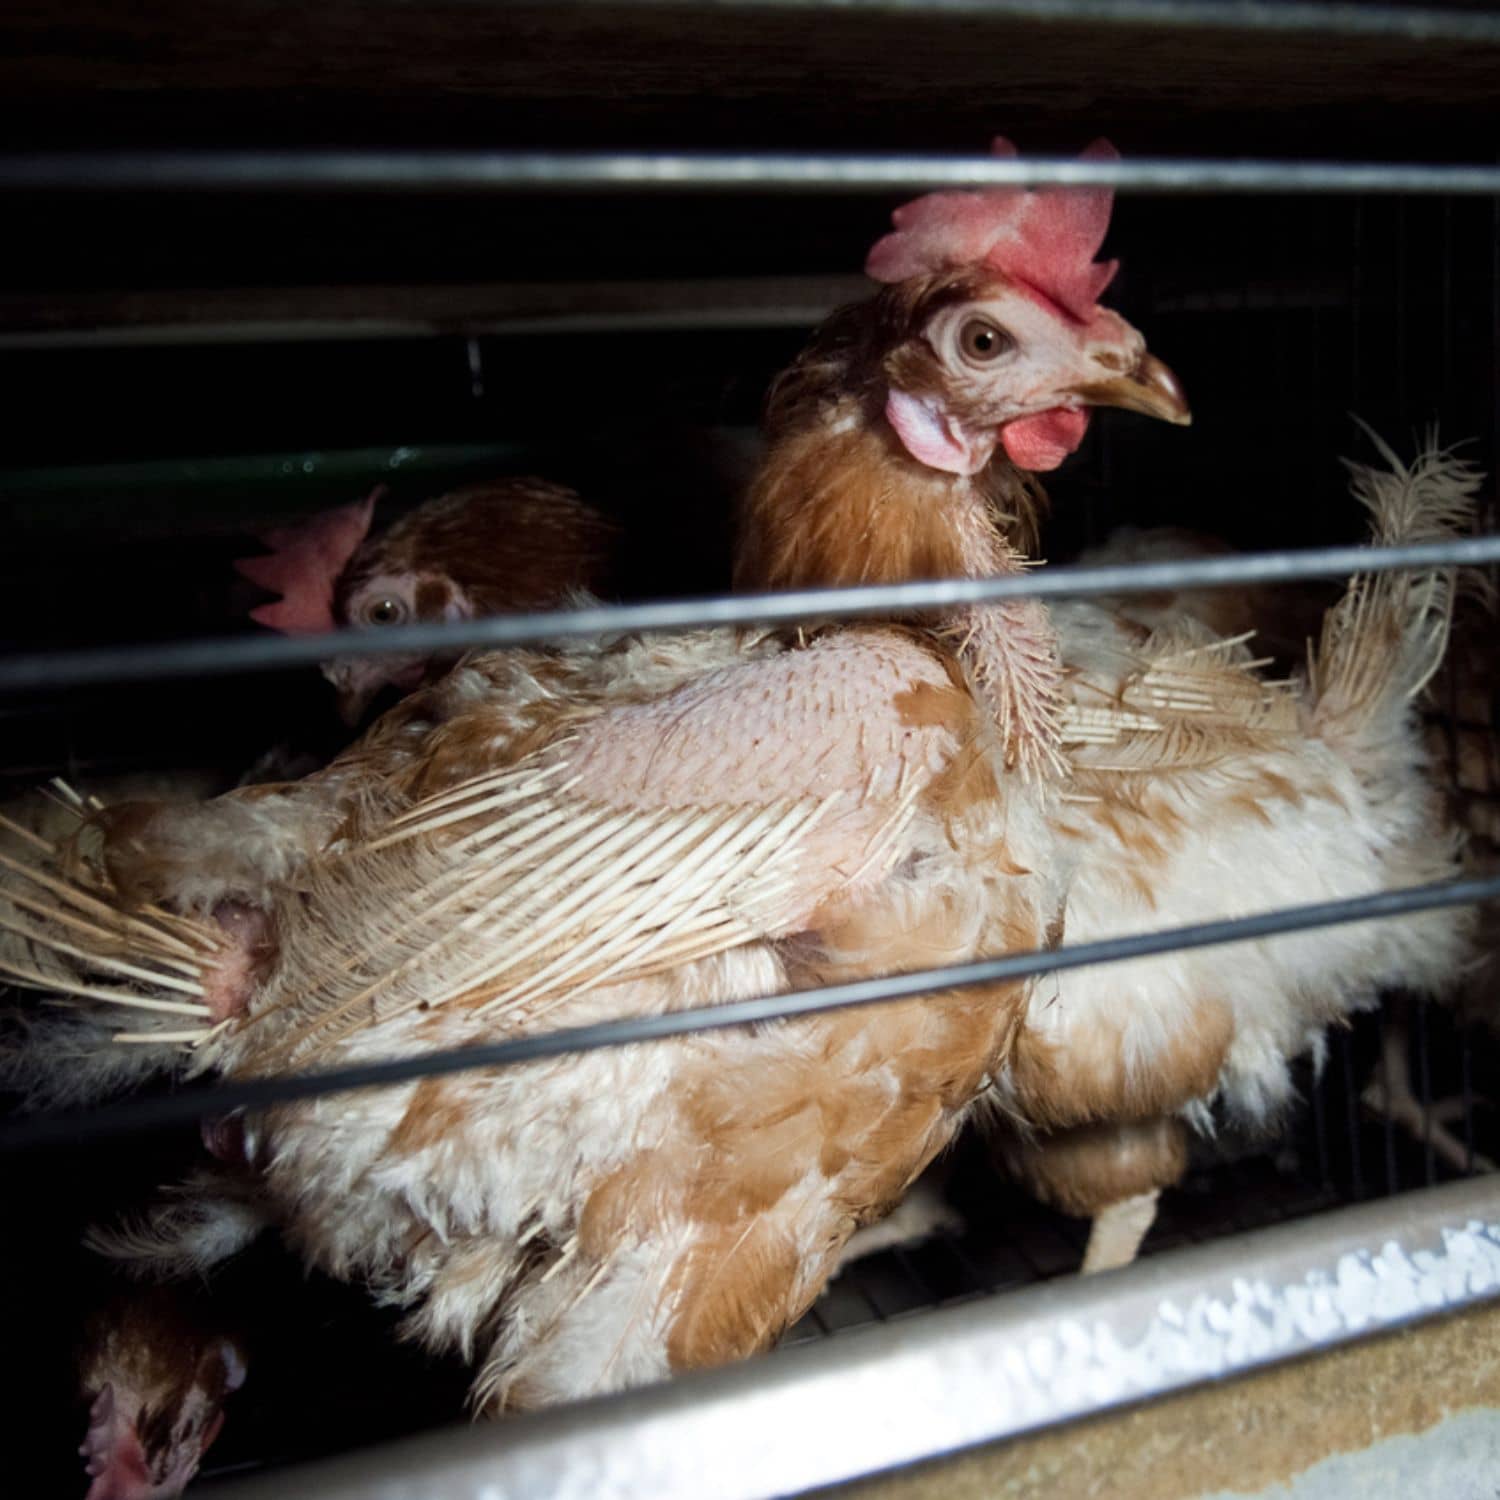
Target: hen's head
pixel 995 335
pixel 156 1384
pixel 488 549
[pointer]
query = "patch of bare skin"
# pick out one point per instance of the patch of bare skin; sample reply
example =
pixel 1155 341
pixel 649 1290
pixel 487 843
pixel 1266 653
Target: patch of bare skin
pixel 229 978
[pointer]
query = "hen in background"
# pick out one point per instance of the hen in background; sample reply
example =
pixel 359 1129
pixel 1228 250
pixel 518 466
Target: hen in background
pixel 486 549
pixel 1461 744
pixel 155 1379
pixel 150 1357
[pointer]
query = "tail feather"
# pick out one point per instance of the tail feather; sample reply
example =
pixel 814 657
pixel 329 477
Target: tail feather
pixel 112 977
pixel 188 1231
pixel 1385 639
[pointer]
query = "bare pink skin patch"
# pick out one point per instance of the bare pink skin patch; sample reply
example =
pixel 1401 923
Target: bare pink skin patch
pixel 740 736
pixel 228 980
pixel 1042 442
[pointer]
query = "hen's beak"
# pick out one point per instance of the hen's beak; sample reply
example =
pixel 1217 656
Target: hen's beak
pixel 1150 388
pixel 365 686
pixel 359 681
pixel 353 704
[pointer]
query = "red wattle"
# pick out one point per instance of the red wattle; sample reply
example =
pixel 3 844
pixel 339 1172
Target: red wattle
pixel 1042 442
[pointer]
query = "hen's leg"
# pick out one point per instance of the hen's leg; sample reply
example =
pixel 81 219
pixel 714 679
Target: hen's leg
pixel 1117 1232
pixel 1110 1173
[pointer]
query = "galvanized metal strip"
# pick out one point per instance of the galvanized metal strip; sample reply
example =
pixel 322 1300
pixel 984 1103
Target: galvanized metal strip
pixel 947 1380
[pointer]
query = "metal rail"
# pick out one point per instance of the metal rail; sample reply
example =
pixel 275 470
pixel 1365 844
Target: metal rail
pixel 450 173
pixel 67 1128
pixel 1400 22
pixel 285 314
pixel 54 670
pixel 947 1380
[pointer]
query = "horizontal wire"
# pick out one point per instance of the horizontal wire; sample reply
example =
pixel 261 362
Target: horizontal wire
pixel 72 1126
pixel 1399 22
pixel 455 172
pixel 43 670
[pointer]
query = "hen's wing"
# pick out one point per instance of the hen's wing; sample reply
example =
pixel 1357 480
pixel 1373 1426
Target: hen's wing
pixel 643 836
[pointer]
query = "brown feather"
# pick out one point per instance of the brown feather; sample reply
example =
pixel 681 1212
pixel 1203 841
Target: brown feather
pixel 513 544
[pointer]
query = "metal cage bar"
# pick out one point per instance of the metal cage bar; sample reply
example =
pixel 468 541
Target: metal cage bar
pixel 221 1099
pixel 429 172
pixel 35 671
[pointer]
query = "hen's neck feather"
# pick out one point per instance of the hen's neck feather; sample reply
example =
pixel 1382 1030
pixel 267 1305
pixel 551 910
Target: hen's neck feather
pixel 838 501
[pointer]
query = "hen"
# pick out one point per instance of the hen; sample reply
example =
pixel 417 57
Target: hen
pixel 1460 739
pixel 1169 818
pixel 634 827
pixel 484 549
pixel 1283 622
pixel 147 1361
pixel 487 549
pixel 155 1379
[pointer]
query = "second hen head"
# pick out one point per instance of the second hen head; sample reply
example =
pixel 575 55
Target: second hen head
pixel 487 549
pixel 156 1377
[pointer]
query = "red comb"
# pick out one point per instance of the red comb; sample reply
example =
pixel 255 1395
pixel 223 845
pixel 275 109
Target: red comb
pixel 1046 237
pixel 304 564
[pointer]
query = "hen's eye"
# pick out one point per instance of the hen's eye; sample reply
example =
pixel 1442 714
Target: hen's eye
pixel 385 611
pixel 981 341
